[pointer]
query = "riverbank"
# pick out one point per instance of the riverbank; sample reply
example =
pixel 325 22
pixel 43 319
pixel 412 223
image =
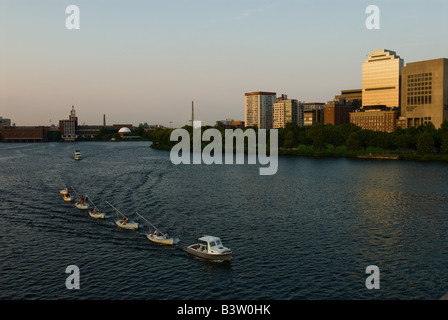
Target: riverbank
pixel 342 152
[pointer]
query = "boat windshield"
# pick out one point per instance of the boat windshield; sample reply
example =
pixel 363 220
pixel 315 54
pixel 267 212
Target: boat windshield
pixel 218 242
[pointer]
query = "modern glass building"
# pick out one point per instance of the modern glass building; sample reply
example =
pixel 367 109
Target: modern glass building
pixel 381 79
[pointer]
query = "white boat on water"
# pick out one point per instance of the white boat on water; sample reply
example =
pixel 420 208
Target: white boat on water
pixel 82 205
pixel 64 191
pixel 95 213
pixel 157 236
pixel 82 202
pixel 77 155
pixel 124 222
pixel 209 248
pixel 161 238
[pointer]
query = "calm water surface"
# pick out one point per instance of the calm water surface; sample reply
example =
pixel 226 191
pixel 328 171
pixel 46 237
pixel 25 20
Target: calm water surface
pixel 308 232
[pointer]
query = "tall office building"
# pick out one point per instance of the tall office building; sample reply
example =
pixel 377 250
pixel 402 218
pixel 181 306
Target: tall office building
pixel 258 107
pixel 381 79
pixel 287 111
pixel 425 92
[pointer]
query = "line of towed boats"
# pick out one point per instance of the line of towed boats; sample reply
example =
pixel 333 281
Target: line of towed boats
pixel 207 247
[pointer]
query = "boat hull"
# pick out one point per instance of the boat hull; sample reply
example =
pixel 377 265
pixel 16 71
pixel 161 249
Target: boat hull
pixel 160 239
pixel 68 199
pixel 96 215
pixel 82 206
pixel 127 225
pixel 193 250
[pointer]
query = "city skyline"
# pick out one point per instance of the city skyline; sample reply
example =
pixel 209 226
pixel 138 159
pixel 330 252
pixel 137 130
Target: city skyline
pixel 146 61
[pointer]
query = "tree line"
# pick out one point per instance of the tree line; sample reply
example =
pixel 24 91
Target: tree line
pixel 344 140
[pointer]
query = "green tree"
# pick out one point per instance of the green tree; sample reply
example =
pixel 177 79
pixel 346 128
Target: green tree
pixel 444 143
pixel 288 140
pixel 425 143
pixel 353 142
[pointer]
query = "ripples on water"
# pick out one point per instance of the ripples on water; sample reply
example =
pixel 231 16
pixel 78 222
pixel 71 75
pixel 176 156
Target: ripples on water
pixel 308 232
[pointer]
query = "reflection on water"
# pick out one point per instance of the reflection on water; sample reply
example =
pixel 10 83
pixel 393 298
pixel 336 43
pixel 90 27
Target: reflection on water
pixel 307 232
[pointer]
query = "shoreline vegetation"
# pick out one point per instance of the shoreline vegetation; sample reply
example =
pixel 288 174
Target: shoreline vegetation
pixel 425 143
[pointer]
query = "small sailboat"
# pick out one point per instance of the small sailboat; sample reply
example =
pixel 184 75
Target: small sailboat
pixel 157 236
pixel 67 197
pixel 124 222
pixel 95 212
pixel 82 202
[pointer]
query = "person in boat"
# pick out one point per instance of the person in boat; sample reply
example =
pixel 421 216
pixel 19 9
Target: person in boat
pixel 157 233
pixel 167 236
pixel 125 220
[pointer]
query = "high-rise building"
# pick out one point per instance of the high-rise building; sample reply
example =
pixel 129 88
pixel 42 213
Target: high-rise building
pixel 354 96
pixel 381 79
pixel 287 111
pixel 313 112
pixel 425 92
pixel 258 109
pixel 337 112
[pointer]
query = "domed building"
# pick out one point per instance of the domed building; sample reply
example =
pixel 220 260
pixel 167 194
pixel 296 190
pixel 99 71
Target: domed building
pixel 124 131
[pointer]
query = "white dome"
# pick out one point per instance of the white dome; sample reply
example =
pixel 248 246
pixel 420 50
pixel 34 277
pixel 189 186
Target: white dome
pixel 124 130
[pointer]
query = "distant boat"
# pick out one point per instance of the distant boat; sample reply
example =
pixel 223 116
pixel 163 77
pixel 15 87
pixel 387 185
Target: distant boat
pixel 77 155
pixel 124 223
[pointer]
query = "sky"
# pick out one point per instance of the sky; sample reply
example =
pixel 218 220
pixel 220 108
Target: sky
pixel 146 61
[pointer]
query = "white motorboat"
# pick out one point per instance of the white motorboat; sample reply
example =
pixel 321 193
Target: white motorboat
pixel 157 236
pixel 124 222
pixel 209 248
pixel 77 155
pixel 67 197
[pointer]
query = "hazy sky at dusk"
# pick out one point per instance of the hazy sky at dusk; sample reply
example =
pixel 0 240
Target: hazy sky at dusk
pixel 145 61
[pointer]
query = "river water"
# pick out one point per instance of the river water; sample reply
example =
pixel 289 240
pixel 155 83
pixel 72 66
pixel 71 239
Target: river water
pixel 307 232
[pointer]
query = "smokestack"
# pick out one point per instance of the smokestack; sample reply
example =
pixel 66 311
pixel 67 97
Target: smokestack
pixel 192 113
pixel 104 120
